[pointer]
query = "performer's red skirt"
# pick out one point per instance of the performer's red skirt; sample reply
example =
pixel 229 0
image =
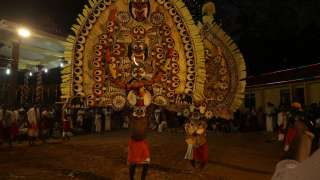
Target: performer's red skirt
pixel 138 152
pixel 201 153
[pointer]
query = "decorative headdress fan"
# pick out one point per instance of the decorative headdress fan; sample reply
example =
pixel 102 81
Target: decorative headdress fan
pixel 140 52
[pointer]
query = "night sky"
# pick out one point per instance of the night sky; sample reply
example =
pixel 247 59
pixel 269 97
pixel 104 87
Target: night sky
pixel 272 34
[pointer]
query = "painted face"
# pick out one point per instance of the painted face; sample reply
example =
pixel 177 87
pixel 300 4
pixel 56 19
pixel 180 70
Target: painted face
pixel 139 9
pixel 138 73
pixel 138 32
pixel 138 47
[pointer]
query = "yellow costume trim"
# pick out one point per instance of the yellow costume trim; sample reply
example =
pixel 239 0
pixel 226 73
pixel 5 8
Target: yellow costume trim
pixel 241 67
pixel 69 54
pixel 194 32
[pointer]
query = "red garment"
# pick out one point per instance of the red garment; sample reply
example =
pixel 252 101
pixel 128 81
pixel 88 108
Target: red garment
pixel 66 125
pixel 14 130
pixel 201 153
pixel 140 99
pixel 33 126
pixel 281 129
pixel 138 152
pixel 290 135
pixel 140 102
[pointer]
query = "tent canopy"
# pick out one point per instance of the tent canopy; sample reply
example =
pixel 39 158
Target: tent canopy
pixel 40 48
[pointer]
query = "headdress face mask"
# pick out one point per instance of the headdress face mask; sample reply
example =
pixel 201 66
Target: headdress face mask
pixel 139 9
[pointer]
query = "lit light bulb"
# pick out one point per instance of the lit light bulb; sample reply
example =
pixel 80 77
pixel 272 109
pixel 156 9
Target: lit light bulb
pixel 30 74
pixel 8 71
pixel 45 70
pixel 23 32
pixel 61 65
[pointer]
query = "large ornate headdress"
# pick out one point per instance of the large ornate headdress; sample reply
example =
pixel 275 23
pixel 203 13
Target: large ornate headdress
pixel 152 51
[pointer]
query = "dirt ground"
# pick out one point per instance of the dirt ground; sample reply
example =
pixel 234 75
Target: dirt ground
pixel 232 157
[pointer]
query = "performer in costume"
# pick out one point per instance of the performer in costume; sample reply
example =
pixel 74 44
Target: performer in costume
pixel 200 150
pixel 197 151
pixel 138 155
pixel 190 140
pixel 149 44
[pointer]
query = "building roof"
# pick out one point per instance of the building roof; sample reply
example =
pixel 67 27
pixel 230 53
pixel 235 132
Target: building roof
pixel 40 48
pixel 302 73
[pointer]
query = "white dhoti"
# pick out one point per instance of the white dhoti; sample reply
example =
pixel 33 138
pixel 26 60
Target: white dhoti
pixel 189 153
pixel 107 125
pixel 98 125
pixel 269 124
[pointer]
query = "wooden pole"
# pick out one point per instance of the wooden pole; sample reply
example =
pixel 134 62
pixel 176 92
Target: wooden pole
pixel 14 73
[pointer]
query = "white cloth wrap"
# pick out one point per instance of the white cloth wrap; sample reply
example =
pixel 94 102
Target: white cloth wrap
pixel 189 153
